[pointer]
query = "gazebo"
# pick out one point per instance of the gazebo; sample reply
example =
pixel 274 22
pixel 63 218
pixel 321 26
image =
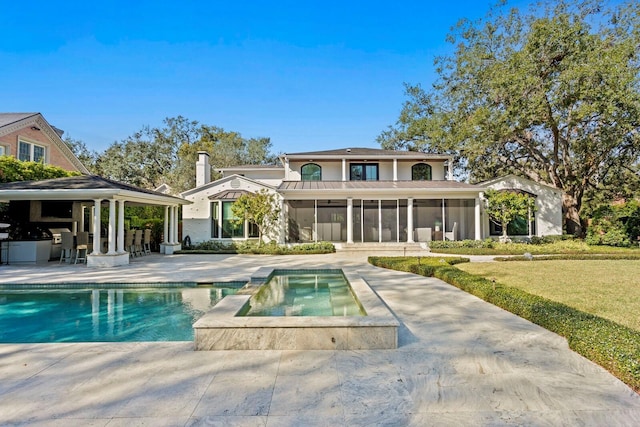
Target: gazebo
pixel 89 191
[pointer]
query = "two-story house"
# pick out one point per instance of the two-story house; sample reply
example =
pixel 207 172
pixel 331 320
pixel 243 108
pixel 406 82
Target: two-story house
pixel 29 137
pixel 356 195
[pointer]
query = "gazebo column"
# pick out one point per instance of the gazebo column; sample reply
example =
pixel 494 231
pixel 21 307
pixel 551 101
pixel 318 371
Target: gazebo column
pixel 410 220
pixel 174 236
pixel 349 219
pixel 171 241
pixel 165 230
pixel 165 236
pixel 112 227
pixel 111 258
pixel 96 227
pixel 120 239
pixel 82 208
pixel 171 226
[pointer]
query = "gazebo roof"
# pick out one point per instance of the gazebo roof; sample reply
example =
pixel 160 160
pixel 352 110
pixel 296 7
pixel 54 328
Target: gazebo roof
pixel 84 187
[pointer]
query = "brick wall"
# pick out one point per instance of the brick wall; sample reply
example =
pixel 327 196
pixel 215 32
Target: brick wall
pixel 54 156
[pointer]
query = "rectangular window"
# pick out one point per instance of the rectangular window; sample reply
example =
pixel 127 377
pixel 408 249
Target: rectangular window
pixel 28 152
pixel 230 227
pixel 363 171
pixel 2 150
pixel 38 153
pixel 24 151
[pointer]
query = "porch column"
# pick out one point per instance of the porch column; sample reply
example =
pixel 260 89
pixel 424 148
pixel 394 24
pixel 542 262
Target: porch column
pixel 344 169
pixel 395 169
pixel 410 220
pixel 379 221
pixel 112 227
pixel 120 240
pixel 165 235
pixel 478 230
pixel 444 220
pixel 96 227
pixel 349 219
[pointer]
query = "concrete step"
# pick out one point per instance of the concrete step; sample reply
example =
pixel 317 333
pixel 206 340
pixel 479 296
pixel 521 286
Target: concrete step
pixel 386 247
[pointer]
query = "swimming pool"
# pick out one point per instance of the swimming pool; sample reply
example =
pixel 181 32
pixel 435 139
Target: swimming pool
pixel 305 293
pixel 112 313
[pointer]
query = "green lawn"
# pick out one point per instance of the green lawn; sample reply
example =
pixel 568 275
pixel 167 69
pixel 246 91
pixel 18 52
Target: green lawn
pixel 560 247
pixel 607 288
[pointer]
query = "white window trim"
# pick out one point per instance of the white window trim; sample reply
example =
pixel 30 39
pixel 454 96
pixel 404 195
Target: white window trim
pixel 33 144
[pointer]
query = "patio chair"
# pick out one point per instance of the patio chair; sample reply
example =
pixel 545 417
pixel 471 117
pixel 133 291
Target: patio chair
pixel 82 244
pixel 453 234
pixel 128 242
pixel 67 246
pixel 147 241
pixel 137 243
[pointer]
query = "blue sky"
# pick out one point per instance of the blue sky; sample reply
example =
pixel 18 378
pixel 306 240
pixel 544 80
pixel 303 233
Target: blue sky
pixel 309 75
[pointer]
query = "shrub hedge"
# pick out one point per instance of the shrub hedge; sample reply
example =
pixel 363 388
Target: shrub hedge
pixel 612 346
pixel 250 247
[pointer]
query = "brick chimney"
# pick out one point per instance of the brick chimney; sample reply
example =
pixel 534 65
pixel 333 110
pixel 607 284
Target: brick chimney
pixel 203 170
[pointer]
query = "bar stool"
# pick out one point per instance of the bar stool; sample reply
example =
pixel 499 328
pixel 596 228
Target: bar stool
pixel 67 246
pixel 147 241
pixel 82 244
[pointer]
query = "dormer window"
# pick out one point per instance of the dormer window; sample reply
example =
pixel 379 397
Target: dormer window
pixel 421 172
pixel 311 172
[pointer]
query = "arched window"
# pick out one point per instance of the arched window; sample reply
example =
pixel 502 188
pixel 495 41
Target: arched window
pixel 311 172
pixel 421 172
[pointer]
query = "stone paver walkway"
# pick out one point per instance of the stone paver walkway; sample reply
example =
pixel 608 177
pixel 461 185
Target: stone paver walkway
pixel 461 361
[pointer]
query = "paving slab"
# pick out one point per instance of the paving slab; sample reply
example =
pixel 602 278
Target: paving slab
pixel 460 361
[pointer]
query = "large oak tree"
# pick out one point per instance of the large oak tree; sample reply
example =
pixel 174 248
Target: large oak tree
pixel 168 154
pixel 551 94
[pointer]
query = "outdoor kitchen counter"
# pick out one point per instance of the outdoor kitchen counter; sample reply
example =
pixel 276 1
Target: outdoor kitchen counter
pixel 26 251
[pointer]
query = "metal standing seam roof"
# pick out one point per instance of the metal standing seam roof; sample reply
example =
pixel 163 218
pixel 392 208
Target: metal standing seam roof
pixel 287 186
pixel 228 195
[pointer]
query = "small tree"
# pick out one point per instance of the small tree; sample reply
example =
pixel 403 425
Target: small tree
pixel 259 208
pixel 506 205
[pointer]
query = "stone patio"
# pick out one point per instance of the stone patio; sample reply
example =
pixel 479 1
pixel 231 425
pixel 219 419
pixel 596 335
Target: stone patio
pixel 460 361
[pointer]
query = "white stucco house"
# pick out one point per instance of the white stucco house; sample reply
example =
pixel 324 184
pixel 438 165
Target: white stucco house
pixel 360 195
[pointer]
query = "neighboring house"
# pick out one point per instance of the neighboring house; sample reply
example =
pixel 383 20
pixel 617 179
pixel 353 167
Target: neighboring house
pixel 355 195
pixel 29 137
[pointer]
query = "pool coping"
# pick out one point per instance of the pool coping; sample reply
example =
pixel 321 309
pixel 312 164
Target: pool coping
pixel 222 329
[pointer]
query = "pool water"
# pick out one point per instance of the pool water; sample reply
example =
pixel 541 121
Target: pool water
pixel 104 314
pixel 308 293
